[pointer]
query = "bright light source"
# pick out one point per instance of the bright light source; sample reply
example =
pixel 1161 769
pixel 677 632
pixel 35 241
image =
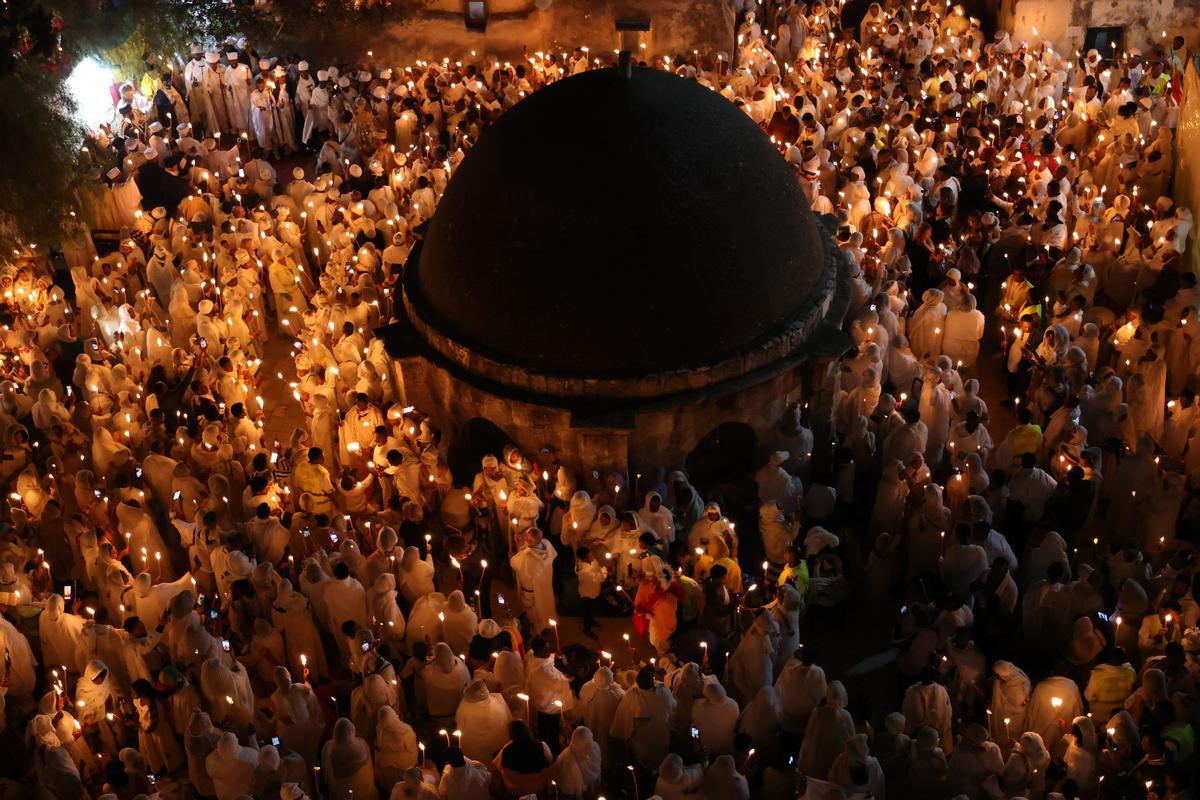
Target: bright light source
pixel 90 87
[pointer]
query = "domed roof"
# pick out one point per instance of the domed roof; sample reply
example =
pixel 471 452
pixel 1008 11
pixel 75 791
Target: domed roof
pixel 610 227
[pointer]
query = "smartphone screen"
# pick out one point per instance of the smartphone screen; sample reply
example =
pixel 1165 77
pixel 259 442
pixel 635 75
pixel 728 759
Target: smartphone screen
pixel 67 592
pixel 225 644
pixel 366 646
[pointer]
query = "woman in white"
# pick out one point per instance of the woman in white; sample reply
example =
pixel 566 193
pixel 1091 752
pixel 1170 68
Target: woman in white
pixel 384 611
pixel 395 747
pixel 227 693
pixel 95 700
pixel 291 613
pixel 443 681
pixel 424 620
pixel 483 718
pixel 60 634
pixel 458 628
pixel 346 764
pixel 927 325
pixel 936 410
pixel 578 766
pixel 658 518
pixel 298 719
pixel 533 566
pixel 415 575
pixel 232 768
pixel 964 328
pixel 598 701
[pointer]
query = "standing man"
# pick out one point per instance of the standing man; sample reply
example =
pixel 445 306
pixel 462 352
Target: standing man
pixel 237 85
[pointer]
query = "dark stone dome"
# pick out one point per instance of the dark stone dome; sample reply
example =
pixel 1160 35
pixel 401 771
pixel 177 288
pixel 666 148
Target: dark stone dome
pixel 608 227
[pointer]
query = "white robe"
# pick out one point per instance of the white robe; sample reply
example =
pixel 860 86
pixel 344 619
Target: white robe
pixel 483 718
pixel 443 681
pixel 716 715
pixel 534 570
pixel 232 768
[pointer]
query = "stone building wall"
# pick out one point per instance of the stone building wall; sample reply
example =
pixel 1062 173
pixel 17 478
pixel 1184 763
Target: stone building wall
pixel 435 29
pixel 660 436
pixel 1066 24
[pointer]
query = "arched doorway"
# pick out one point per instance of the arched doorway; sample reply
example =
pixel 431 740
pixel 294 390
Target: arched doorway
pixel 478 438
pixel 724 456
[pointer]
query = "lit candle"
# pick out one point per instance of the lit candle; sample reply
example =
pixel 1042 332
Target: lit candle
pixel 525 697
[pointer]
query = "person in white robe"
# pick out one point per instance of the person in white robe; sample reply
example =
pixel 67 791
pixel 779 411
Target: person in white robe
pixel 292 615
pixel 643 719
pixel 1024 771
pixel 383 610
pixel 927 703
pixel 976 764
pixel 677 781
pixel 346 599
pixel 232 767
pixel 60 634
pixel 396 748
pixel 465 779
pixel 656 517
pixel 715 715
pixel 752 664
pixel 577 768
pixel 483 718
pixel 964 328
pixel 1055 699
pixel 346 764
pixel 366 701
pixel 227 692
pixel 597 707
pixel 150 600
pixel 263 117
pixel 236 83
pixel 927 326
pixel 460 623
pixel 825 734
pixel 777 532
pixel 443 681
pixel 533 566
pixel 425 619
pixel 801 687
pixel 298 718
pixel 415 575
pixel 1081 758
pixel 776 485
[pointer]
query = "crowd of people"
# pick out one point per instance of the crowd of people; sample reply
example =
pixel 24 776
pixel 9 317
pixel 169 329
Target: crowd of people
pixel 195 607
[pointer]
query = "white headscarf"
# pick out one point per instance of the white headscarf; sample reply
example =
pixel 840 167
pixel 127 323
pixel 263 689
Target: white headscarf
pixel 578 766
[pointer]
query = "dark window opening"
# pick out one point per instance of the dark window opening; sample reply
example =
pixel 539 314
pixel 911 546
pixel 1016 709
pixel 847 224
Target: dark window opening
pixel 1108 42
pixel 479 437
pixel 476 16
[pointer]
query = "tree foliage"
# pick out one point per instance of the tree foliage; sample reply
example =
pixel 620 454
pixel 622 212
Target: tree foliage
pixel 40 42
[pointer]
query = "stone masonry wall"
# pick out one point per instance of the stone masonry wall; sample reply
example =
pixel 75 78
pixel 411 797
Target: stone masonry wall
pixel 436 29
pixel 1066 24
